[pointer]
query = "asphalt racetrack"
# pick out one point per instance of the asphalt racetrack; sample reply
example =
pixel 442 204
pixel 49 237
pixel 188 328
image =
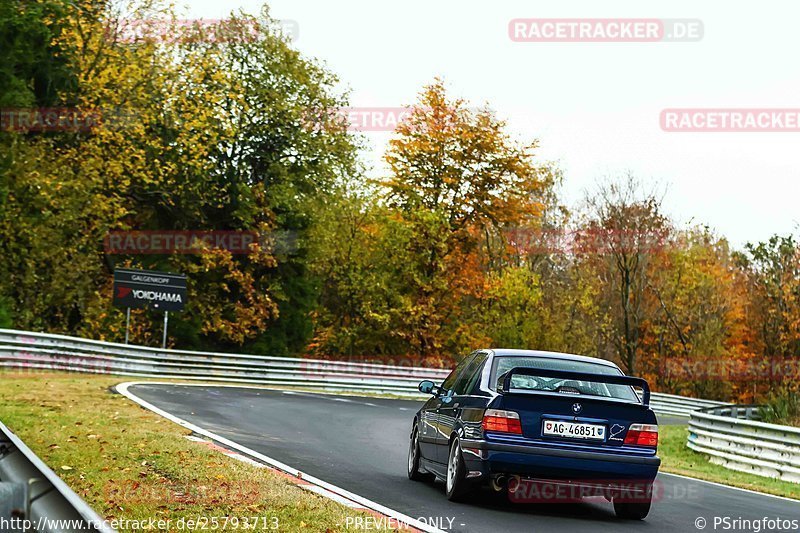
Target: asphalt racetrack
pixel 360 444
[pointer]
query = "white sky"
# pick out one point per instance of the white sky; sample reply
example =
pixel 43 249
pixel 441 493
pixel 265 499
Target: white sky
pixel 593 106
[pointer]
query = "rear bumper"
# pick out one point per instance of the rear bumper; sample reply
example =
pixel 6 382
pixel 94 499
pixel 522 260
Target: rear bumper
pixel 544 462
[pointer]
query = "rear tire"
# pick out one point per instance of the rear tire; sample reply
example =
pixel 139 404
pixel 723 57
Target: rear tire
pixel 414 456
pixel 457 486
pixel 634 510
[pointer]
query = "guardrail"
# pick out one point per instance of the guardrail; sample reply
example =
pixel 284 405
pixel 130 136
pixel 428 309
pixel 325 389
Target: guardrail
pixel 43 351
pixel 670 404
pixel 34 498
pixel 731 437
pixel 19 349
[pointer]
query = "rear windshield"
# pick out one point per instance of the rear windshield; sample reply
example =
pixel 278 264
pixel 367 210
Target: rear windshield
pixel 559 385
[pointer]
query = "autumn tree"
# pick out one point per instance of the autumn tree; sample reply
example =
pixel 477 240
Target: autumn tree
pixel 454 173
pixel 624 228
pixel 773 269
pixel 700 316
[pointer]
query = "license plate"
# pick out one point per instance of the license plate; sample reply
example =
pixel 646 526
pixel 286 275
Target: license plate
pixel 574 430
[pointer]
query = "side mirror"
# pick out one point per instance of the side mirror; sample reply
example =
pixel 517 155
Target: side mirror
pixel 427 387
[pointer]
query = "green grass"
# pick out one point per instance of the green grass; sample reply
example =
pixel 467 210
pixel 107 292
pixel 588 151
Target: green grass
pixel 129 463
pixel 677 458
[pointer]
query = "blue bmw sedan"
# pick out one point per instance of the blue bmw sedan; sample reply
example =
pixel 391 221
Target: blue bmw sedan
pixel 541 426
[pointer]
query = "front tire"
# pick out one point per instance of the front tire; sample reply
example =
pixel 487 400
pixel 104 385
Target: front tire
pixel 457 485
pixel 414 458
pixel 634 510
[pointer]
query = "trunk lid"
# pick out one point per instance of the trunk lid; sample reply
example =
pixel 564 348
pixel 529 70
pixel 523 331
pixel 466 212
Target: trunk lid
pixel 575 408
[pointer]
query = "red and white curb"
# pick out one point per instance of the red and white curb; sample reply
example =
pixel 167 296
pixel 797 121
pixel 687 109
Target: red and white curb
pixel 309 482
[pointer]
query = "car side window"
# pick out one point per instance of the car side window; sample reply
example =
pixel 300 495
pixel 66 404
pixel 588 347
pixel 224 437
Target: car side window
pixel 466 379
pixel 479 363
pixel 450 381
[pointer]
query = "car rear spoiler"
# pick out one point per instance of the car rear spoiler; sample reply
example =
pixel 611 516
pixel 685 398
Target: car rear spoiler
pixel 578 376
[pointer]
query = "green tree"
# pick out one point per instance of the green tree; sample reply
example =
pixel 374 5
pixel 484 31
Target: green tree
pixel 35 68
pixel 213 136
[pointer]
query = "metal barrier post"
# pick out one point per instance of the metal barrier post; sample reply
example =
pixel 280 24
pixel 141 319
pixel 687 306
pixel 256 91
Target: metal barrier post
pixel 127 323
pixel 166 322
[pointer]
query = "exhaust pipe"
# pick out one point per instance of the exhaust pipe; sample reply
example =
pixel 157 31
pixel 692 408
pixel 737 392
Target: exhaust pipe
pixel 513 483
pixel 499 483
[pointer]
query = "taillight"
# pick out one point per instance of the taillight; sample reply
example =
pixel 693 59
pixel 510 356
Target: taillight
pixel 499 421
pixel 642 435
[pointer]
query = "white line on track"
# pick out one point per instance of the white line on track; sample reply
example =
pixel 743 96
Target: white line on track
pixel 345 400
pixel 122 388
pixel 729 487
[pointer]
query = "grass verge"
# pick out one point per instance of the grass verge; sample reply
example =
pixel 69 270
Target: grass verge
pixel 678 459
pixel 131 464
